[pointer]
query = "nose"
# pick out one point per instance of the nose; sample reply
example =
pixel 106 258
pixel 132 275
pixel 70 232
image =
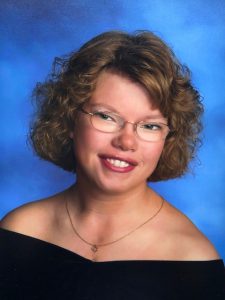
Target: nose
pixel 126 138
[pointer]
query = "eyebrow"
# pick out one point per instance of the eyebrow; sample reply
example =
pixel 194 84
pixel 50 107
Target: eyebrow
pixel 112 109
pixel 106 106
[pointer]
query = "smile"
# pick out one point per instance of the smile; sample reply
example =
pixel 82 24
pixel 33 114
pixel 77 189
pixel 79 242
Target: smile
pixel 117 163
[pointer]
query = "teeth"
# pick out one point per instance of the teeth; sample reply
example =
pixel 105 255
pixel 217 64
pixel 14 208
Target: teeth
pixel 117 163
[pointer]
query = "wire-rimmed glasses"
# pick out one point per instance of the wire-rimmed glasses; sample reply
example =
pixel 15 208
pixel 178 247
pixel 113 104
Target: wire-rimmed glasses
pixel 109 122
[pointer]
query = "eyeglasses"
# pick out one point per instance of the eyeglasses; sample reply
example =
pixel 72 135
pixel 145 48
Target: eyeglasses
pixel 109 122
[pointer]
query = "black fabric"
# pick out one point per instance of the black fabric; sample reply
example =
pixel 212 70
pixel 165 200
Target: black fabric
pixel 34 269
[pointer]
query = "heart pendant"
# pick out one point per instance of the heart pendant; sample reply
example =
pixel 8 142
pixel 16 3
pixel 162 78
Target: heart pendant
pixel 94 248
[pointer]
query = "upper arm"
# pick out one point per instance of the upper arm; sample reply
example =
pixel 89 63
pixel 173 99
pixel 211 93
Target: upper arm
pixel 17 219
pixel 195 245
pixel 203 249
pixel 189 241
pixel 28 219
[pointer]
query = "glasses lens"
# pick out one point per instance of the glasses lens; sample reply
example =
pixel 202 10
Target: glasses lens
pixel 109 122
pixel 105 121
pixel 152 132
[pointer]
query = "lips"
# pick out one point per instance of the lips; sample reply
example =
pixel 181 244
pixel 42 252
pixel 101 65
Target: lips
pixel 118 164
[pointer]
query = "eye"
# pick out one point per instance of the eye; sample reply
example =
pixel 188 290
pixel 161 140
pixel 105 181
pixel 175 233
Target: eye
pixel 104 116
pixel 151 126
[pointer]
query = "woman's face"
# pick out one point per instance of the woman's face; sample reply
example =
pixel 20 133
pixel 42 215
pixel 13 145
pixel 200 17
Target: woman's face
pixel 119 161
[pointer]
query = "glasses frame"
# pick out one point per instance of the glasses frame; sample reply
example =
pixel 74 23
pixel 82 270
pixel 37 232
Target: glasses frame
pixel 135 124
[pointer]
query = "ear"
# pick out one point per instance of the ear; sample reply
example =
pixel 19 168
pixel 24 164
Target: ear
pixel 71 135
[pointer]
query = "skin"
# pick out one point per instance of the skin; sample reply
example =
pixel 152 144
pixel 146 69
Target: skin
pixel 107 203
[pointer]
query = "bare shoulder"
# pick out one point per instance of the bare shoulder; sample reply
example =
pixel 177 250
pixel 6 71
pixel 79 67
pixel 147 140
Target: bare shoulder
pixel 34 218
pixel 191 243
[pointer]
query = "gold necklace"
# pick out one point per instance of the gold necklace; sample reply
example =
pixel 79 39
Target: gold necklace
pixel 95 247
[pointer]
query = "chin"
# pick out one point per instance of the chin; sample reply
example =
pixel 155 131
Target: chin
pixel 119 186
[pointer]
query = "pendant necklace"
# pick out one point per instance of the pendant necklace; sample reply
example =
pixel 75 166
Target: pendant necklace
pixel 94 247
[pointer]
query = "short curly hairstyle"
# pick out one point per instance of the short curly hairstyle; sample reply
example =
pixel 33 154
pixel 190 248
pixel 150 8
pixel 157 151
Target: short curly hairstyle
pixel 144 58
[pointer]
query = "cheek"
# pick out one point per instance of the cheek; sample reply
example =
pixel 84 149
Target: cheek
pixel 82 142
pixel 88 142
pixel 152 155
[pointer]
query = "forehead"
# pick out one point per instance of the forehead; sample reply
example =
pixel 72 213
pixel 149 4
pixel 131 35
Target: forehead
pixel 121 94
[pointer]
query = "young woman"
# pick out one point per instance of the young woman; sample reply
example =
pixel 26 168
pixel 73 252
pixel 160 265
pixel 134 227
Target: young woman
pixel 121 111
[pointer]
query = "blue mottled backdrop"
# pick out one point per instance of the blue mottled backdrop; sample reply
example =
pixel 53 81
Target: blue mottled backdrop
pixel 32 33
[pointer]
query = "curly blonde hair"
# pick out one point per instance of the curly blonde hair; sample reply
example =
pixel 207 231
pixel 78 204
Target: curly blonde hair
pixel 144 58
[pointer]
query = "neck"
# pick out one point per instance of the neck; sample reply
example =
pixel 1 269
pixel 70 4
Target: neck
pixel 95 202
pixel 100 217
